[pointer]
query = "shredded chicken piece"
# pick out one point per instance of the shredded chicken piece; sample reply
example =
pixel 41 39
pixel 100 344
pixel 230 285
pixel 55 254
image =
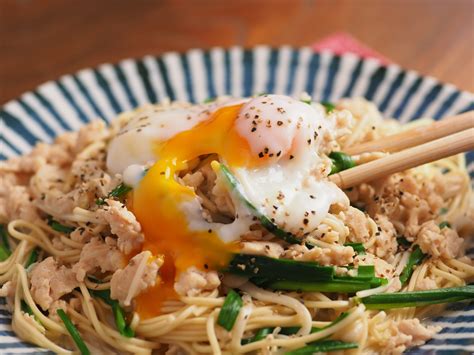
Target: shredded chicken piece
pixel 356 220
pixel 394 337
pixel 270 249
pixel 95 131
pixel 124 224
pixel 444 243
pixel 193 281
pixel 385 245
pixel 18 205
pixel 140 274
pixel 49 282
pixel 337 255
pixel 97 254
pixel 407 201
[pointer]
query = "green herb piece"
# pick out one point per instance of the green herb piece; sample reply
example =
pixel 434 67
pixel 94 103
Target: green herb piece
pixel 4 253
pixel 287 274
pixel 323 346
pixel 58 227
pixel 272 268
pixel 32 258
pixel 264 220
pixel 259 335
pixel 443 210
pixel 366 272
pixel 402 241
pixel 329 106
pixel 309 101
pixel 209 100
pixel 358 247
pixel 122 327
pixel 75 335
pixel 418 298
pixel 340 162
pixel 119 313
pixel 119 191
pixel 416 257
pixel 341 286
pixel 230 310
pixel 5 241
pixel 444 224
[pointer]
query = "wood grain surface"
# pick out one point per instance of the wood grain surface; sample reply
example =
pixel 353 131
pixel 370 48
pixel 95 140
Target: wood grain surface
pixel 43 39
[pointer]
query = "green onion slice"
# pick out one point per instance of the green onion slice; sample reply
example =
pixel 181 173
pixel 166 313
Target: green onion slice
pixel 230 310
pixel 416 258
pixel 329 106
pixel 340 162
pixel 358 247
pixel 418 298
pixel 32 258
pixel 444 224
pixel 4 253
pixel 119 313
pixel 58 227
pixel 75 335
pixel 5 241
pixel 259 335
pixel 119 191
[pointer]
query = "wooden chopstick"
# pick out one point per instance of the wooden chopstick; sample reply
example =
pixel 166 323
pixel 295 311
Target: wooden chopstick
pixel 440 148
pixel 416 136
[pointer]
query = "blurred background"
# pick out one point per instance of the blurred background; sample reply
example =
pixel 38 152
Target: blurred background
pixel 41 40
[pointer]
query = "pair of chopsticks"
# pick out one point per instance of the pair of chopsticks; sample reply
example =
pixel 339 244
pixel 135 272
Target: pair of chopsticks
pixel 411 148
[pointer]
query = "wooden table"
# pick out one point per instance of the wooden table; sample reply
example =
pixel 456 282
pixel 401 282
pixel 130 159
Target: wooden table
pixel 40 40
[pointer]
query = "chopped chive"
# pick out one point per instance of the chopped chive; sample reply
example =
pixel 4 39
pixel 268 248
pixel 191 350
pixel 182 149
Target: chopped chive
pixel 418 298
pixel 366 272
pixel 4 253
pixel 58 227
pixel 358 247
pixel 402 241
pixel 119 313
pixel 5 241
pixel 416 257
pixel 340 162
pixel 120 322
pixel 307 101
pixel 25 307
pixel 119 191
pixel 272 268
pixel 209 100
pixel 32 258
pixel 443 210
pixel 444 224
pixel 329 106
pixel 75 335
pixel 259 335
pixel 340 286
pixel 230 310
pixel 264 220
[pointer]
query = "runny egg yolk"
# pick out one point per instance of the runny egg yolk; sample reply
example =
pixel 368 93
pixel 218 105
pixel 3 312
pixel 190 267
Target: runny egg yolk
pixel 156 204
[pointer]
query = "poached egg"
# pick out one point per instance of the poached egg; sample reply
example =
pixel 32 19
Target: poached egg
pixel 270 143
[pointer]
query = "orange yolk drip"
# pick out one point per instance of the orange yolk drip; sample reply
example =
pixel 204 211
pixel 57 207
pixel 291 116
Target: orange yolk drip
pixel 157 200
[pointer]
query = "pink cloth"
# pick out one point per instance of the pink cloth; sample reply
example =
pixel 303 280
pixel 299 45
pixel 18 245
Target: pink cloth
pixel 341 42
